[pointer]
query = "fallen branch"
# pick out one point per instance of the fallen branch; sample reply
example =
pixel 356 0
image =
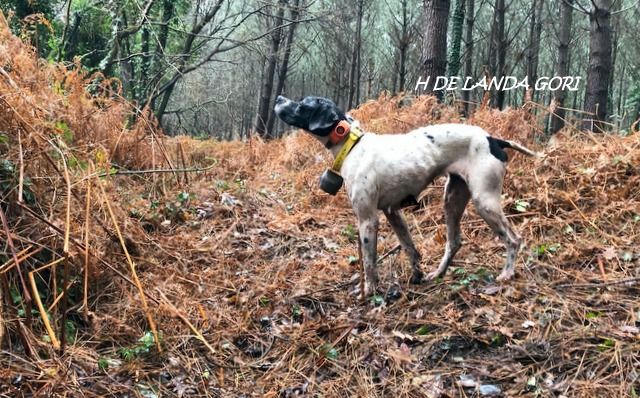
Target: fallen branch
pixel 626 281
pixel 154 171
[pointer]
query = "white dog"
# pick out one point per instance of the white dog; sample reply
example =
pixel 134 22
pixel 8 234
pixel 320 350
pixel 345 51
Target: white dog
pixel 384 172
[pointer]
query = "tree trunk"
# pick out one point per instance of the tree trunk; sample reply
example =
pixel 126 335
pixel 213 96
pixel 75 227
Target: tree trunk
pixel 264 106
pixel 355 57
pixel 458 24
pixel 181 65
pixel 468 49
pixel 535 32
pixel 71 44
pixel 557 121
pixel 403 38
pixel 284 68
pixel 124 63
pixel 615 26
pixel 501 49
pixel 434 46
pixel 599 69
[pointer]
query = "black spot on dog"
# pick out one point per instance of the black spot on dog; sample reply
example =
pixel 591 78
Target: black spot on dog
pixel 496 147
pixel 430 137
pixel 365 240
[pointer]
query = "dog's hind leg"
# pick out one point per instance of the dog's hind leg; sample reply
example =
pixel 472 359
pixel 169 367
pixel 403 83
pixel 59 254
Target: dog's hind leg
pixel 487 203
pixel 397 222
pixel 456 197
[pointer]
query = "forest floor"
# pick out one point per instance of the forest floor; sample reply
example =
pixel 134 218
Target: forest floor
pixel 248 269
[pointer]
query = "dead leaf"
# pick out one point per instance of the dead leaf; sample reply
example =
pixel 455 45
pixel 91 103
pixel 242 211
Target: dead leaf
pixel 609 253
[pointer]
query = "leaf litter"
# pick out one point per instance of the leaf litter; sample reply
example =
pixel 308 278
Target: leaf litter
pixel 247 266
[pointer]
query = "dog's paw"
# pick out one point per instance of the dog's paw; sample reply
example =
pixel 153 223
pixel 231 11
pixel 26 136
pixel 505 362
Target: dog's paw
pixel 505 275
pixel 416 278
pixel 431 276
pixel 369 290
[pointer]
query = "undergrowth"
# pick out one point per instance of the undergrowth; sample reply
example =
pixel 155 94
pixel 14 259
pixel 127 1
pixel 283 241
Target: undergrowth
pixel 235 280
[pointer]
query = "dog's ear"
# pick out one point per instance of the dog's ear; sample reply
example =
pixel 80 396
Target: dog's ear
pixel 324 117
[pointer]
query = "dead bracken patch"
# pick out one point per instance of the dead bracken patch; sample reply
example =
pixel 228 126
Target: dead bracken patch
pixel 246 267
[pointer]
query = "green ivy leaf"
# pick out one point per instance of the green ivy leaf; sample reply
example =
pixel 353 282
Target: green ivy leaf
pixel 592 315
pixel 329 351
pixel 423 330
pixel 377 300
pixel 521 206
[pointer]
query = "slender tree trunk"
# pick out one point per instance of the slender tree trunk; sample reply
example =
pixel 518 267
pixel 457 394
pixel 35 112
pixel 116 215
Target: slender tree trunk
pixel 468 61
pixel 615 25
pixel 458 23
pixel 501 49
pixel 72 40
pixel 284 68
pixel 141 89
pixel 434 46
pixel 621 90
pixel 557 121
pixel 264 106
pixel 63 40
pixel 124 63
pixel 535 32
pixel 355 57
pixel 599 69
pixel 198 25
pixel 403 40
pixel 155 64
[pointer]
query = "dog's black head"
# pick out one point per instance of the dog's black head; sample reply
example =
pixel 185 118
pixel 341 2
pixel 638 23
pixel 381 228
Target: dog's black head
pixel 317 115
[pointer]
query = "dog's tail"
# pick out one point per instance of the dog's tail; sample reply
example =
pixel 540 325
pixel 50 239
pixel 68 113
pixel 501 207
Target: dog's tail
pixel 514 145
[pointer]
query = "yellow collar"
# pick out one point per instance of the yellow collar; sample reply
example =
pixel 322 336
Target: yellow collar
pixel 352 139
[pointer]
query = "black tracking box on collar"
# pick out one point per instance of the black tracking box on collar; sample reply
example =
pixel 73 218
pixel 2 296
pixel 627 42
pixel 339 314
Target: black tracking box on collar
pixel 330 182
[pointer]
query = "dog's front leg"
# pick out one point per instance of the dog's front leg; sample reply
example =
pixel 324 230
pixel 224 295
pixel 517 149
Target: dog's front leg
pixel 368 230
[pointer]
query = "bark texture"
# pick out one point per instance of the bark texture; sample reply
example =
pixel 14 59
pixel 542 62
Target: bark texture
pixel 600 62
pixel 434 46
pixel 557 120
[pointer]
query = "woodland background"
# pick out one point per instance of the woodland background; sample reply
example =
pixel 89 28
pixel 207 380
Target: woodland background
pixel 212 68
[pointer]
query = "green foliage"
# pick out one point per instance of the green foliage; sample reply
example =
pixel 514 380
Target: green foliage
pixel 498 340
pixel 423 330
pixel 350 232
pixel 592 315
pixel 35 30
pixel 64 131
pixel 329 351
pixel 377 300
pixel 91 36
pixel 521 206
pixel 70 330
pixel 543 250
pixel 103 364
pixel 606 344
pixel 296 313
pixel 465 279
pixel 222 185
pixel 143 346
pixel 10 178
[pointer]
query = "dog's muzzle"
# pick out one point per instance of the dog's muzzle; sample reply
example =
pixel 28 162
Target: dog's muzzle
pixel 330 182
